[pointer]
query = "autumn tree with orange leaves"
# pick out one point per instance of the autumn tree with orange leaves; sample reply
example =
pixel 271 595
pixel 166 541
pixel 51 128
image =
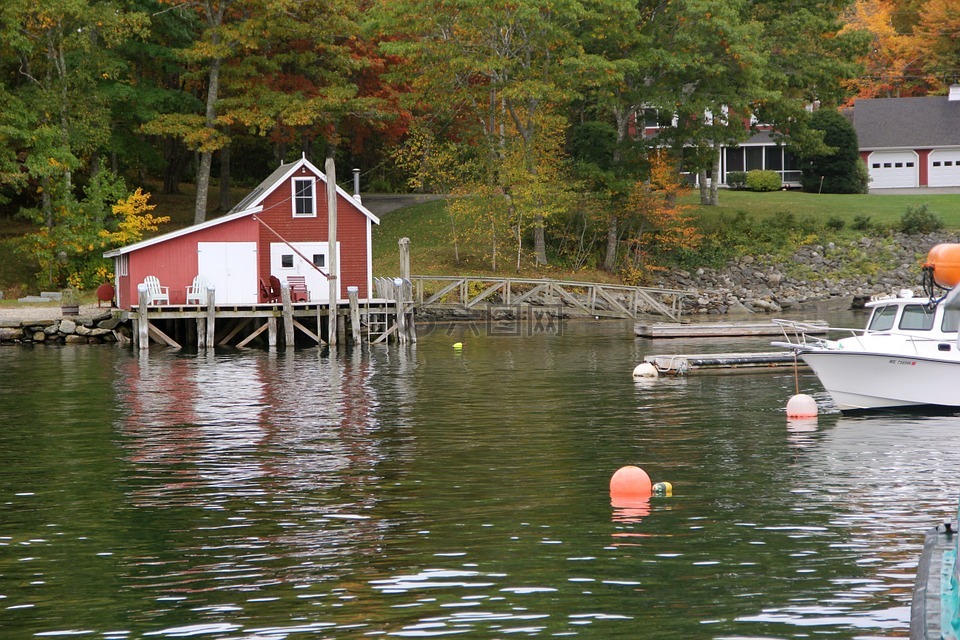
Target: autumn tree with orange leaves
pixel 659 224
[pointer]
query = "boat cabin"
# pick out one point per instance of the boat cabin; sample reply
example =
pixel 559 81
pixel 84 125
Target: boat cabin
pixel 914 315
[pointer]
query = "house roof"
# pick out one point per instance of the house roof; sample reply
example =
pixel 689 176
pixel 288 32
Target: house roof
pixel 252 203
pixel 907 123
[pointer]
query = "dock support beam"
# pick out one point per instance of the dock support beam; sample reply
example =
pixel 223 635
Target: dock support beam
pixel 401 316
pixel 287 316
pixel 143 326
pixel 353 296
pixel 211 315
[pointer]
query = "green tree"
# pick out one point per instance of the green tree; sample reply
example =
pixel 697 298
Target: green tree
pixel 512 65
pixel 59 56
pixel 835 171
pixel 812 58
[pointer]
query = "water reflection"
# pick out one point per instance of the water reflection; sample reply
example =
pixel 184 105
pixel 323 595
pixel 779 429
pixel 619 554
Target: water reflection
pixel 428 492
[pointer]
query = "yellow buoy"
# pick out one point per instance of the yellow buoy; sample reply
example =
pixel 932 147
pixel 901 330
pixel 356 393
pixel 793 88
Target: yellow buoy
pixel 801 406
pixel 458 345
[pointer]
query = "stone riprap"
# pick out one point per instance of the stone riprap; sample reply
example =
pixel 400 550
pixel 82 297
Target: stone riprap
pixel 812 276
pixel 84 329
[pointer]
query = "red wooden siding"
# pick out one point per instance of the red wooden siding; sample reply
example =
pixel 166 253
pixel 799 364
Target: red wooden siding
pixel 174 261
pixel 351 232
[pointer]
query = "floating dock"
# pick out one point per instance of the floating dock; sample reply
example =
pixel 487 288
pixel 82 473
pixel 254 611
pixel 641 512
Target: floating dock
pixel 675 365
pixel 715 329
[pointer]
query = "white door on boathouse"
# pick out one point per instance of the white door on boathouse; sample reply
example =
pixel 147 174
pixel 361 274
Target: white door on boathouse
pixel 231 267
pixel 284 262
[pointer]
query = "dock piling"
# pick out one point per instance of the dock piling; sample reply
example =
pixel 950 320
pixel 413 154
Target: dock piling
pixel 353 296
pixel 143 325
pixel 211 315
pixel 287 315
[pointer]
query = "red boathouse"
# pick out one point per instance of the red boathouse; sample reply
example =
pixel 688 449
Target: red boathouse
pixel 274 231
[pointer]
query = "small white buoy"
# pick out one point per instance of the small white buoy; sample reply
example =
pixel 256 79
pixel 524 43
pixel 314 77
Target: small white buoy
pixel 801 406
pixel 646 370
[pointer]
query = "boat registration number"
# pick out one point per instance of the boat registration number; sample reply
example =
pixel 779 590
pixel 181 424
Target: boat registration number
pixel 906 362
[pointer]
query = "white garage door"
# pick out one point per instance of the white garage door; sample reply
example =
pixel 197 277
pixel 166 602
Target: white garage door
pixel 893 169
pixel 944 168
pixel 232 268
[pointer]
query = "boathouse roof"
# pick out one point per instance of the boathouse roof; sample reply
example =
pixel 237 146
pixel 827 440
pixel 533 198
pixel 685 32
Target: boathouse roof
pixel 252 203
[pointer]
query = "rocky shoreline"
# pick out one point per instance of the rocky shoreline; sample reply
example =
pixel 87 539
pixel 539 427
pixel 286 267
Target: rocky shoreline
pixel 46 325
pixel 812 275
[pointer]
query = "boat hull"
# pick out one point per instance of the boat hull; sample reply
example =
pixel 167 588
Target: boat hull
pixel 859 381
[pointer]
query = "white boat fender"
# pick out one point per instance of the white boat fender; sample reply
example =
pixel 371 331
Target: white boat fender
pixel 646 370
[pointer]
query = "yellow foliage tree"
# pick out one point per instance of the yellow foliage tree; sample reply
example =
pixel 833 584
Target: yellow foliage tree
pixel 660 225
pixel 136 219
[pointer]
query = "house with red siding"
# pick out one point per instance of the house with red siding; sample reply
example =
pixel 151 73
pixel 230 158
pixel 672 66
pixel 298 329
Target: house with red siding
pixel 279 229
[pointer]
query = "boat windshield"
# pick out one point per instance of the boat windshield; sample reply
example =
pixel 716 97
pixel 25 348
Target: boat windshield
pixel 951 320
pixel 917 317
pixel 882 318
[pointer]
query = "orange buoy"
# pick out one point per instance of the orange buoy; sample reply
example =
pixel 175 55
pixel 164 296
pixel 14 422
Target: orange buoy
pixel 943 261
pixel 801 406
pixel 630 483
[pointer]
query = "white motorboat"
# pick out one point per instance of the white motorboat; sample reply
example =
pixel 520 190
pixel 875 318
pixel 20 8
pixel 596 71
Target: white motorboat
pixel 907 356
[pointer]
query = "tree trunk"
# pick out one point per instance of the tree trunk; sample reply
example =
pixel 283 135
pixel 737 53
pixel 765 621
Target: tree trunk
pixel 203 187
pixel 704 187
pixel 539 240
pixel 176 157
pixel 206 154
pixel 226 200
pixel 715 176
pixel 610 260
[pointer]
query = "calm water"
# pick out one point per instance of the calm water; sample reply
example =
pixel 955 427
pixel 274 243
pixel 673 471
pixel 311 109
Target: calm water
pixel 429 492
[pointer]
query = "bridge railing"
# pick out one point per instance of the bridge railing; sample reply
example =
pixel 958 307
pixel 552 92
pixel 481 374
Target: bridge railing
pixel 577 298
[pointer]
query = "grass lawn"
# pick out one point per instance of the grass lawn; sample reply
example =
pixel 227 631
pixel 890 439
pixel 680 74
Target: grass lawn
pixel 881 209
pixel 432 251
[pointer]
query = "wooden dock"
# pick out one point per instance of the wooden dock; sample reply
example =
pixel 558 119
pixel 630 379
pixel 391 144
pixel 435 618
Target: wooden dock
pixel 675 365
pixel 716 329
pixel 318 323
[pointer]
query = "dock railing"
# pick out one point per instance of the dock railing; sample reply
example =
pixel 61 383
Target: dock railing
pixel 577 298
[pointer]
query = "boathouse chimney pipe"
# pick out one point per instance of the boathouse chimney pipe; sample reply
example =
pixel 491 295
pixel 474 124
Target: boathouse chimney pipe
pixel 356 185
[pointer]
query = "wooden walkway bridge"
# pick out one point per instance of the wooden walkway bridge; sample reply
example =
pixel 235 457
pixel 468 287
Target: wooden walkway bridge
pixel 575 298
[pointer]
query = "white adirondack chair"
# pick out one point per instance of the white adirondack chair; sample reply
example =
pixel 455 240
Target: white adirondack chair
pixel 197 292
pixel 156 294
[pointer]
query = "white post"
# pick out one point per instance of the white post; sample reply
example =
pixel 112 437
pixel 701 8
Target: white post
pixel 331 172
pixel 143 331
pixel 353 295
pixel 404 258
pixel 401 316
pixel 287 315
pixel 211 315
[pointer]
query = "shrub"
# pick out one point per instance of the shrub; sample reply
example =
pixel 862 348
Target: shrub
pixel 920 219
pixel 835 223
pixel 764 181
pixel 737 180
pixel 834 169
pixel 861 222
